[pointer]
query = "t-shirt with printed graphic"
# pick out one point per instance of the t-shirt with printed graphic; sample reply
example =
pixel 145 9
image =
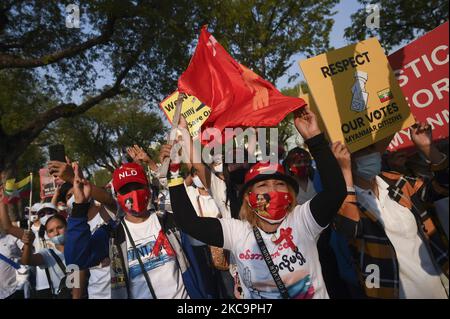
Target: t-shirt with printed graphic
pixel 300 270
pixel 162 268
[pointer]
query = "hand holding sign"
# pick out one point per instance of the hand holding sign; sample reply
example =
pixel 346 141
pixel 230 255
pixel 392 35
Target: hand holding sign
pixel 342 154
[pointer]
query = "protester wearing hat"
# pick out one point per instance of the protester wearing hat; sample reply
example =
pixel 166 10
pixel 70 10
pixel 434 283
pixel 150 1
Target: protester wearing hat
pixel 149 258
pixel 51 258
pixel 298 164
pixel 287 231
pixel 38 213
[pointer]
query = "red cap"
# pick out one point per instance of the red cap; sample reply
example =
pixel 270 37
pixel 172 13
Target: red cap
pixel 263 168
pixel 264 171
pixel 129 173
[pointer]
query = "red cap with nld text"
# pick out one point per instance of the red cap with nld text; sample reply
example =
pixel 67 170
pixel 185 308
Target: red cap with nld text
pixel 129 173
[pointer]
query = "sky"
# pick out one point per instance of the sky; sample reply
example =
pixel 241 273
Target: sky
pixel 342 19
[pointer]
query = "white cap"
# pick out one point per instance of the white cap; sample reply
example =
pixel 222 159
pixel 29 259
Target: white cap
pixel 48 205
pixel 36 207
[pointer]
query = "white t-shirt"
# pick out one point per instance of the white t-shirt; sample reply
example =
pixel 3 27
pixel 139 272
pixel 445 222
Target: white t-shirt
pixel 418 275
pixel 56 273
pixel 208 208
pixel 10 248
pixel 163 271
pixel 208 205
pixel 41 277
pixel 99 286
pixel 301 272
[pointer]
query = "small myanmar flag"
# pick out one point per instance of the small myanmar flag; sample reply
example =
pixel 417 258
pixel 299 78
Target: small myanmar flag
pixel 385 95
pixel 14 191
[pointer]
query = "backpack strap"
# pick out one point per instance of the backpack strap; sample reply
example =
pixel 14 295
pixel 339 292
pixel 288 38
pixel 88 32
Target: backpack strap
pixel 58 261
pixel 272 268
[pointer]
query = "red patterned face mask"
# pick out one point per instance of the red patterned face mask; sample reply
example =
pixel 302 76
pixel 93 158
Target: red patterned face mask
pixel 135 202
pixel 300 171
pixel 271 207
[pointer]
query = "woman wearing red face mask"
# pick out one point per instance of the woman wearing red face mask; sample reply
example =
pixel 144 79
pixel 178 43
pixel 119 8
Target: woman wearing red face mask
pixel 298 165
pixel 274 243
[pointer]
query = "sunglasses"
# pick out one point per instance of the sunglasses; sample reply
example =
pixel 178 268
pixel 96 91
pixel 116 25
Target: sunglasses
pixel 44 212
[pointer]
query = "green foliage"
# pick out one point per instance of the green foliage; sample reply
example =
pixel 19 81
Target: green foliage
pixel 400 21
pixel 101 177
pixel 98 136
pixel 132 49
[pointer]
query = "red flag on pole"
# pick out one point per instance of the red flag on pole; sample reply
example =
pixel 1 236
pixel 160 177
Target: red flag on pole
pixel 236 95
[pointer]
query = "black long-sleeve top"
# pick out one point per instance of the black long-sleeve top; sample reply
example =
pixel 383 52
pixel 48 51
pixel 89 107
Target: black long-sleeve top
pixel 324 205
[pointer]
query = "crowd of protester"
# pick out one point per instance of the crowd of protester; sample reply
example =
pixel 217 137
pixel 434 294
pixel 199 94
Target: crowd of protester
pixel 319 223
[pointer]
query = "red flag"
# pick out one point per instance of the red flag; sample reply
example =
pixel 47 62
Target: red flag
pixel 237 96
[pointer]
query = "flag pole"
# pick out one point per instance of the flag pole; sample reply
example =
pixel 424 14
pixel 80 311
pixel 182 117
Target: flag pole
pixel 31 201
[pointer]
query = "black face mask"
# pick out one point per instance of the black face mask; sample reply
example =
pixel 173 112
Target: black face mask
pixel 238 176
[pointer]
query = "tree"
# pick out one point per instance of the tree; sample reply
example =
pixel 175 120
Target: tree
pixel 286 128
pixel 137 49
pixel 97 137
pixel 137 44
pixel 400 21
pixel 264 34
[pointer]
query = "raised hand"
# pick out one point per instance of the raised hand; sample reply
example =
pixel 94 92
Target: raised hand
pixel 165 151
pixel 138 154
pixel 28 237
pixel 81 187
pixel 62 170
pixel 421 135
pixel 343 157
pixel 305 122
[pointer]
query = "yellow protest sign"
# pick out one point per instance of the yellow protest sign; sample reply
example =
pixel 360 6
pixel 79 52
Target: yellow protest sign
pixel 194 111
pixel 357 94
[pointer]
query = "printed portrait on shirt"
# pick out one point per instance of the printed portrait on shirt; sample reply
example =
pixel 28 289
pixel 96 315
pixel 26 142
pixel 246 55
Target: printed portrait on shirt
pixel 129 203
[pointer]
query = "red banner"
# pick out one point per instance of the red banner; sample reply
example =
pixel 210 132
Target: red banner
pixel 421 69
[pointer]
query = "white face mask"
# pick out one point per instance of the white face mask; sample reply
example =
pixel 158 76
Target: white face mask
pixel 34 218
pixel 218 168
pixel 368 166
pixel 197 182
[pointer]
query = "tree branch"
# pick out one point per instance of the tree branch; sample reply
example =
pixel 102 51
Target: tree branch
pixel 33 129
pixel 9 61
